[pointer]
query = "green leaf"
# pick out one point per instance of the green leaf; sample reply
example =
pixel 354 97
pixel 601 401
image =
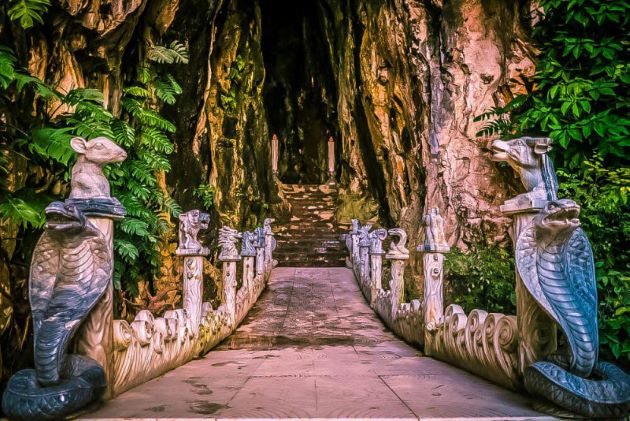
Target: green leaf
pixel 27 12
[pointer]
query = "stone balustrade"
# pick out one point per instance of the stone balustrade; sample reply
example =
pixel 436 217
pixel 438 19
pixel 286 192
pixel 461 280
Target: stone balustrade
pixel 151 346
pixel 482 343
pixel 366 260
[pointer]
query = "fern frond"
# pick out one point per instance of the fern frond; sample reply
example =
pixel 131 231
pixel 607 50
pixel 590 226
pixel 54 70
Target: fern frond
pixel 137 91
pixel 27 12
pixel 176 52
pixel 124 134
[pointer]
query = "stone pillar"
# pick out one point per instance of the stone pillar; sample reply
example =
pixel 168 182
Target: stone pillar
pixel 229 256
pixel 95 338
pixel 331 160
pixel 537 331
pixel 248 252
pixel 397 255
pixel 434 248
pixel 274 155
pixel 364 260
pixel 193 252
pixel 193 289
pixel 270 245
pixel 376 263
pixel 260 252
pixel 354 237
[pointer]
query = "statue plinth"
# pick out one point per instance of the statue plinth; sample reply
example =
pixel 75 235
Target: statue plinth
pixel 95 338
pixel 537 331
pixel 203 251
pixel 104 207
pixel 435 248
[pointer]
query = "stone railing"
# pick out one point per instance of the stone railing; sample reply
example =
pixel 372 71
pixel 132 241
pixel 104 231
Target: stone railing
pixel 366 260
pixel 81 353
pixel 555 287
pixel 150 346
pixel 482 343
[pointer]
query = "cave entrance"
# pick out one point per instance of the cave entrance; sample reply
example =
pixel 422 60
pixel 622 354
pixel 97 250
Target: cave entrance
pixel 299 91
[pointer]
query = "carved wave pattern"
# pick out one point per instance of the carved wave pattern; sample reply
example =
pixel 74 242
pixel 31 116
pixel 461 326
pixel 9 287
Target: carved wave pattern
pixel 151 346
pixel 483 343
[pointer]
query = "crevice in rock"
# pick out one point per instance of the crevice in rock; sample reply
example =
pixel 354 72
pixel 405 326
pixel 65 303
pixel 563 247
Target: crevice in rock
pixel 299 92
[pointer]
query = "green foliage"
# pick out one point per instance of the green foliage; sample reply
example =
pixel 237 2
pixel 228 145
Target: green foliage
pixel 482 277
pixel 205 193
pixel 141 130
pixel 579 98
pixel 579 95
pixel 605 215
pixel 22 208
pixel 27 12
pixel 228 98
pixel 173 54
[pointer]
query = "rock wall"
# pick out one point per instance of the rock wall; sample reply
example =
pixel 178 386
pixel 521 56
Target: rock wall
pixel 411 77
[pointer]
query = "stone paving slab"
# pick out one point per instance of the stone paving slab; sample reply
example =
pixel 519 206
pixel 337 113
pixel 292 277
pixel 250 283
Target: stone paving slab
pixel 312 348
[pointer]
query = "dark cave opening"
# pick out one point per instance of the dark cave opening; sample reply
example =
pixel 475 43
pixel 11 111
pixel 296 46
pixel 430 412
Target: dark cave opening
pixel 299 90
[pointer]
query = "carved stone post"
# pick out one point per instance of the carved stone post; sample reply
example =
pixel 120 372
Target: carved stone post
pixel 260 252
pixel 229 256
pixel 434 247
pixel 274 155
pixel 331 160
pixel 91 194
pixel 95 338
pixel 270 245
pixel 397 254
pixel 354 236
pixel 528 158
pixel 537 332
pixel 189 246
pixel 364 260
pixel 376 262
pixel 248 251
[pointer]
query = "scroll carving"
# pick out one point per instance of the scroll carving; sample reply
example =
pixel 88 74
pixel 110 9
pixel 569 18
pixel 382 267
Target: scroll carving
pixel 483 343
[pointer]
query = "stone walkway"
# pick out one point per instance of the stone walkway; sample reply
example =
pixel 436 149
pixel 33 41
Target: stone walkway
pixel 312 347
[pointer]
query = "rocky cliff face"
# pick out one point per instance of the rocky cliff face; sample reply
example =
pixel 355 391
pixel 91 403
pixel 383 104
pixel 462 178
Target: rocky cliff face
pixel 411 76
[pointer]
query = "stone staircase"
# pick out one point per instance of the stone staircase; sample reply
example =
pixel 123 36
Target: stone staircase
pixel 310 237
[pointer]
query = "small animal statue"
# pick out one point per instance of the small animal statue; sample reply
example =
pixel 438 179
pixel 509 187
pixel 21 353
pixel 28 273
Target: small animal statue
pixel 555 261
pixel 364 235
pixel 248 244
pixel 259 232
pixel 189 225
pixel 227 241
pixel 528 158
pixel 88 180
pixel 376 240
pixel 356 225
pixel 268 231
pixel 434 232
pixel 70 271
pixel 398 249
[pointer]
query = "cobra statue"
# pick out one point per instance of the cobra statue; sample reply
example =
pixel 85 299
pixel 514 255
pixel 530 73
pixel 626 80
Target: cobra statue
pixel 70 271
pixel 555 261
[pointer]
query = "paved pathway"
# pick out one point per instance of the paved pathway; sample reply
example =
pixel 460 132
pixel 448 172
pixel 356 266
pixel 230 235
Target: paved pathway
pixel 312 347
